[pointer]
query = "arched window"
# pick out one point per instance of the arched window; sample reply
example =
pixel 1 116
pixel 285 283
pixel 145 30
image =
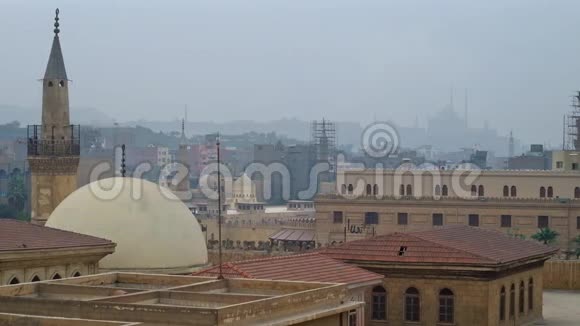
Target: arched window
pixel 512 301
pixel 376 189
pixel 444 191
pixel 56 276
pixel 542 192
pixel 50 84
pixel 350 189
pixel 369 189
pixel 343 189
pixel 437 190
pixel 550 192
pixel 446 306
pixel 473 190
pixel 577 192
pixel 409 190
pixel 513 191
pixel 35 279
pixel 14 280
pixel 402 190
pixel 531 294
pixel 61 83
pixel 76 274
pixel 379 303
pixel 502 304
pixel 522 298
pixel 506 191
pixel 480 191
pixel 412 305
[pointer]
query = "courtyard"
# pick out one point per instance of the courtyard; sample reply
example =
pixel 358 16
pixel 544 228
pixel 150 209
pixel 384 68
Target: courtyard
pixel 561 308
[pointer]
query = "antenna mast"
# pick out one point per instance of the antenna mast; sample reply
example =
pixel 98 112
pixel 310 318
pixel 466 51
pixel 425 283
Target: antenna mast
pixel 219 186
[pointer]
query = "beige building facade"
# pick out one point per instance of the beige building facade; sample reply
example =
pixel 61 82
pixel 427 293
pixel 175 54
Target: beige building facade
pixel 566 160
pixel 450 276
pixel 33 253
pixel 148 299
pixel 515 202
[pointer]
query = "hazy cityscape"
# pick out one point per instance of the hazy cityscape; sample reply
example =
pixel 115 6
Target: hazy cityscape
pixel 290 163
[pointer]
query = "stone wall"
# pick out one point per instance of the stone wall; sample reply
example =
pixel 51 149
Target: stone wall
pixel 237 255
pixel 562 274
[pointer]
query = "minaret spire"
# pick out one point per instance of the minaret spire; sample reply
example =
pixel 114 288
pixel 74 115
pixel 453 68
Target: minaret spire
pixel 55 67
pixel 183 140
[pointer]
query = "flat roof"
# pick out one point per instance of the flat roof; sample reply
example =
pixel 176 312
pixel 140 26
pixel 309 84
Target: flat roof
pixel 175 300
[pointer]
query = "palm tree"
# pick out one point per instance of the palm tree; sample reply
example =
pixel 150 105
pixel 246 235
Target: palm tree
pixel 546 236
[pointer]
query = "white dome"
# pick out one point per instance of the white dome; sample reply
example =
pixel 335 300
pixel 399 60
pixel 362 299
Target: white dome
pixel 153 229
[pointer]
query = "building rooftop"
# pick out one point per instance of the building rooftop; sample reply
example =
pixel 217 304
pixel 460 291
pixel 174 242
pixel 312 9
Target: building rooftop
pixel 310 267
pixel 461 245
pixel 18 235
pixel 293 235
pixel 150 299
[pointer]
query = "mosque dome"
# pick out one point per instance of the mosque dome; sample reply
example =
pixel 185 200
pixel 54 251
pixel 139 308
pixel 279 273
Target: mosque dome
pixel 154 231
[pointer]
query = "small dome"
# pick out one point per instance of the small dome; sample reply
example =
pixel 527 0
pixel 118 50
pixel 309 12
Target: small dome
pixel 154 231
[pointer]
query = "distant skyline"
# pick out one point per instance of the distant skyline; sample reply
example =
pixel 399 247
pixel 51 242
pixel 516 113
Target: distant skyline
pixel 267 60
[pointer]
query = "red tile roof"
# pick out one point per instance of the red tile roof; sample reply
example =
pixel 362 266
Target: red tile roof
pixel 18 235
pixel 310 267
pixel 293 235
pixel 448 245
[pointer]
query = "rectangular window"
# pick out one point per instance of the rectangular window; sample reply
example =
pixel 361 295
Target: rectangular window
pixel 371 218
pixel 379 306
pixel 473 220
pixel 446 309
pixel 437 219
pixel 506 221
pixel 559 165
pixel 543 222
pixel 412 308
pixel 337 217
pixel 402 218
pixel 577 222
pixel 574 166
pixel 352 318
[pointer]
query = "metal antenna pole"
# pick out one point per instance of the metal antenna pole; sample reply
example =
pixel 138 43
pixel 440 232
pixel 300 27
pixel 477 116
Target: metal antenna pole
pixel 219 183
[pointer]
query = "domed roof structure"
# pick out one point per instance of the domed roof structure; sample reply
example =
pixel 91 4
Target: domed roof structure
pixel 153 229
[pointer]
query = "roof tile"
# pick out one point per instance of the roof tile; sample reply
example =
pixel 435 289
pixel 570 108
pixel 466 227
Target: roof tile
pixel 449 245
pixel 18 235
pixel 310 267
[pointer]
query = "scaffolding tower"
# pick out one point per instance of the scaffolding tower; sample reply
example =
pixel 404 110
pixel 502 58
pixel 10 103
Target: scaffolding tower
pixel 323 139
pixel 572 125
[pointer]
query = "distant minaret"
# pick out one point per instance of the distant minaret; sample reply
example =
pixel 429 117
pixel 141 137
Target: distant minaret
pixel 182 155
pixel 53 146
pixel 511 145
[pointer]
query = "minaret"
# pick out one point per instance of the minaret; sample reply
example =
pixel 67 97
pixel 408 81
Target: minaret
pixel 53 146
pixel 182 154
pixel 511 145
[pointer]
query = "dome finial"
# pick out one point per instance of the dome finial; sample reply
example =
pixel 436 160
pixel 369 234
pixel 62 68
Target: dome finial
pixel 56 24
pixel 123 166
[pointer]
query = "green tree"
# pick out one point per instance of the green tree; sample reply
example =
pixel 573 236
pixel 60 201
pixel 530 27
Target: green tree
pixel 17 192
pixel 577 241
pixel 546 236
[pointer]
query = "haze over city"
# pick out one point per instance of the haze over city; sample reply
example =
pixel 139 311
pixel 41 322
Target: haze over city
pixel 265 60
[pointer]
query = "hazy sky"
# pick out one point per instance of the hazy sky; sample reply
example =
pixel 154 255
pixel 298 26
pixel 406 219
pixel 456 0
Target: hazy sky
pixel 267 59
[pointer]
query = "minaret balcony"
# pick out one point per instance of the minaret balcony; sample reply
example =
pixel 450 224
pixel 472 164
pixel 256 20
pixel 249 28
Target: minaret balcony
pixel 52 145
